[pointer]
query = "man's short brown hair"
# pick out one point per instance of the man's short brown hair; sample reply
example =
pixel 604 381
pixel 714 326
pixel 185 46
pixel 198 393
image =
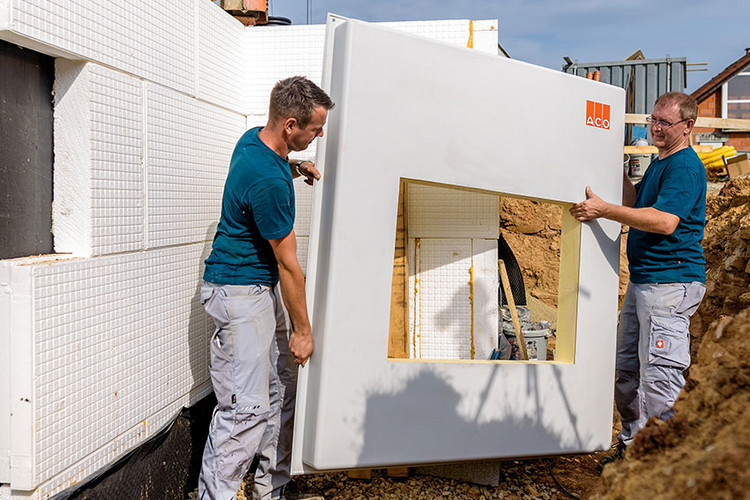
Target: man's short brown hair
pixel 687 104
pixel 296 97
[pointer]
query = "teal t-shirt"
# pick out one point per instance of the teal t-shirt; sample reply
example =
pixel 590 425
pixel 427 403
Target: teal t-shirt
pixel 677 185
pixel 257 206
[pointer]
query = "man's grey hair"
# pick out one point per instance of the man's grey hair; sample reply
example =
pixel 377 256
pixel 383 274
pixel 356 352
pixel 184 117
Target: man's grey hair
pixel 297 97
pixel 687 104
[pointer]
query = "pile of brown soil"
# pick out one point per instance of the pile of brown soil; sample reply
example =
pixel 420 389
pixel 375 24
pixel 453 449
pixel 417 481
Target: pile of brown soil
pixel 702 452
pixel 532 230
pixel 726 246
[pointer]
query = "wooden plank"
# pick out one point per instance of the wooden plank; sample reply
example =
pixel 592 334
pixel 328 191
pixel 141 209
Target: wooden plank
pixel 702 122
pixel 398 472
pixel 365 474
pixel 520 339
pixel 399 320
pixel 723 123
pixel 644 150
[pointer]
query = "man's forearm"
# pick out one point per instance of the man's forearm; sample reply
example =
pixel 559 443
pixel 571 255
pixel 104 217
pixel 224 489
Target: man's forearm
pixel 646 219
pixel 292 283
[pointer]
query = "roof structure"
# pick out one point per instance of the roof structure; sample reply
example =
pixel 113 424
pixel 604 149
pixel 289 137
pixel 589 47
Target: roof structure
pixel 716 82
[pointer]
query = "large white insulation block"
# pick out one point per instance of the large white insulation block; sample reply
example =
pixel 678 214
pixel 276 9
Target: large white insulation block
pixel 102 351
pixel 357 408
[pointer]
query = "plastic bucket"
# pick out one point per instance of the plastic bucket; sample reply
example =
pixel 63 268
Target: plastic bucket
pixel 536 342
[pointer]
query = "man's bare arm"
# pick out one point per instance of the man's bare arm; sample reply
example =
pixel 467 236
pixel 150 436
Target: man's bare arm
pixel 293 292
pixel 304 168
pixel 647 219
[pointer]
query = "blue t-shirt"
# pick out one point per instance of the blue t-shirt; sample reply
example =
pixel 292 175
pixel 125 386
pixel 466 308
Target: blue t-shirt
pixel 677 185
pixel 257 206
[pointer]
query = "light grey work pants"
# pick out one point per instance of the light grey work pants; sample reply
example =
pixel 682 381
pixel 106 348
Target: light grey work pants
pixel 255 381
pixel 653 351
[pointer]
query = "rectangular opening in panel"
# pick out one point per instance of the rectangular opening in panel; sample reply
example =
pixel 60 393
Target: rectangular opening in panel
pixel 466 260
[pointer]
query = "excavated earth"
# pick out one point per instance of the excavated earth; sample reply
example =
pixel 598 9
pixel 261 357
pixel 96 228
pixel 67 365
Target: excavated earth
pixel 702 452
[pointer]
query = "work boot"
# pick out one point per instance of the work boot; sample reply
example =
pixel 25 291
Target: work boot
pixel 616 456
pixel 291 492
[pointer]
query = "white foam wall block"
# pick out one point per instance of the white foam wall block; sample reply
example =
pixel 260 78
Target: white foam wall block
pixel 154 43
pixel 117 186
pixel 71 210
pixel 303 203
pixel 357 408
pixel 222 78
pixel 480 34
pixel 303 244
pixel 277 52
pixel 189 147
pixel 439 212
pixel 448 313
pixel 105 351
pixel 484 294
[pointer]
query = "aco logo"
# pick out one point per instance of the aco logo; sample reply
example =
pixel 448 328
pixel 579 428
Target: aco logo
pixel 597 114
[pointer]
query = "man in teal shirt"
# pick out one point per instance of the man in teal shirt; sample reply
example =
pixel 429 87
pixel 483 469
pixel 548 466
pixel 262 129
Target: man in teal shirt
pixel 253 288
pixel 666 212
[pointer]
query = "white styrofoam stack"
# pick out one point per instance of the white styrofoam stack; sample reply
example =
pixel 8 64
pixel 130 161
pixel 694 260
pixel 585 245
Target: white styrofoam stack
pixel 104 342
pixel 452 248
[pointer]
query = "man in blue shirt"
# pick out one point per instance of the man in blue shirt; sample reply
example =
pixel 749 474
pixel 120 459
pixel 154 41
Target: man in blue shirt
pixel 250 276
pixel 666 212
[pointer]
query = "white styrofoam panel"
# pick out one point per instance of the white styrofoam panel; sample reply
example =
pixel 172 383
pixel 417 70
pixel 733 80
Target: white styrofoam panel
pixel 150 42
pixel 303 244
pixel 117 212
pixel 220 41
pixel 451 312
pixel 356 408
pixel 278 52
pixel 98 160
pixel 484 295
pixel 441 212
pixel 71 210
pixel 482 33
pixel 189 147
pixel 114 340
pixel 5 389
pixel 303 203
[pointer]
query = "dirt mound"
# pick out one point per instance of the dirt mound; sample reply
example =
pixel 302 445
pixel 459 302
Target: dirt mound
pixel 532 230
pixel 726 245
pixel 702 451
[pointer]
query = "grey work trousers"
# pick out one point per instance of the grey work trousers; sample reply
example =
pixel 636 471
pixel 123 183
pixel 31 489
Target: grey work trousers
pixel 653 351
pixel 255 381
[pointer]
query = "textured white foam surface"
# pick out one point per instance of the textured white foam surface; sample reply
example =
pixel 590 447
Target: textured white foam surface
pixel 281 51
pixel 449 317
pixel 116 104
pixel 189 145
pixel 115 340
pixel 438 212
pixel 221 43
pixel 149 42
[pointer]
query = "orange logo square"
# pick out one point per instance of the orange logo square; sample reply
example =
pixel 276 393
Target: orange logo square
pixel 597 114
pixel 660 344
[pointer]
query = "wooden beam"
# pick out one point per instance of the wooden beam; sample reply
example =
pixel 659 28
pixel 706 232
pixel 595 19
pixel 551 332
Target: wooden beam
pixel 644 150
pixel 702 122
pixel 399 321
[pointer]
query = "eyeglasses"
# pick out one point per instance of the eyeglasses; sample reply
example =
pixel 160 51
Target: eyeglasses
pixel 662 124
